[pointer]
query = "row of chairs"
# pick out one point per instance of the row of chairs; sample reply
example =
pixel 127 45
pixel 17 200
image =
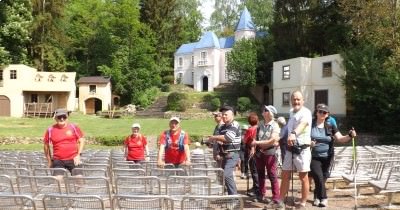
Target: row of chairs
pixel 375 166
pixel 121 202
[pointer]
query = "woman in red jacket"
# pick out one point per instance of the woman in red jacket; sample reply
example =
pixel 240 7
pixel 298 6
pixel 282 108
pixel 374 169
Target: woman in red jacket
pixel 135 145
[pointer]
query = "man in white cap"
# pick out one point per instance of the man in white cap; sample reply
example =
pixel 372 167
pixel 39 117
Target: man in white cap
pixel 175 144
pixel 67 141
pixel 267 138
pixel 135 145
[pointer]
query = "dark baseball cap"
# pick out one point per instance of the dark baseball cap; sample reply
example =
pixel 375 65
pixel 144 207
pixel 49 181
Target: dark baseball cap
pixel 226 108
pixel 60 112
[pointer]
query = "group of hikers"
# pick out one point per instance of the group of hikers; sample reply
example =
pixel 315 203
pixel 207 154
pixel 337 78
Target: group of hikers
pixel 305 141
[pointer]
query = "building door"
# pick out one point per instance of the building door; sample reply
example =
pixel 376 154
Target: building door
pixel 5 110
pixel 205 83
pixel 321 96
pixel 93 105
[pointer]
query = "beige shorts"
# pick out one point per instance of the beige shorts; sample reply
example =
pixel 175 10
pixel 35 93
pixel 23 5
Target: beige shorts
pixel 301 162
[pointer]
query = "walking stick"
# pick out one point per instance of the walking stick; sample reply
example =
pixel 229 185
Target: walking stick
pixel 354 165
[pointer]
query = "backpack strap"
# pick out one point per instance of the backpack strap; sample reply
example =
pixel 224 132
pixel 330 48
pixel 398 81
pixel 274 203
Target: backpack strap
pixel 180 141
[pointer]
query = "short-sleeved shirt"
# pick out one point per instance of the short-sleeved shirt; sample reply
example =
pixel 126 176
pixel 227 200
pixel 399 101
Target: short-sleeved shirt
pixel 322 141
pixel 172 153
pixel 304 114
pixel 232 134
pixel 265 132
pixel 64 141
pixel 136 146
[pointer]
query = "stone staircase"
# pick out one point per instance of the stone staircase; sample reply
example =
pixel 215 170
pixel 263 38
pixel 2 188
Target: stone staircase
pixel 157 109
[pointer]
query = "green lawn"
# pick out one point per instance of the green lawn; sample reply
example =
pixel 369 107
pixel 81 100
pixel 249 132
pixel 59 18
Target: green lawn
pixel 99 126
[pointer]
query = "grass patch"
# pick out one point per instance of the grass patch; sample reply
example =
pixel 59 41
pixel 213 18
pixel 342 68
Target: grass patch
pixel 99 126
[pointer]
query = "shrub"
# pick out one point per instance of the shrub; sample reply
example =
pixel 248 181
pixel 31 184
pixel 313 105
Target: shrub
pixel 165 88
pixel 169 79
pixel 147 97
pixel 215 104
pixel 110 140
pixel 207 98
pixel 177 101
pixel 243 104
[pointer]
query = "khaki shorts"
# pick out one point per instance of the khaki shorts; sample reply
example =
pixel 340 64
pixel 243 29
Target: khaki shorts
pixel 301 162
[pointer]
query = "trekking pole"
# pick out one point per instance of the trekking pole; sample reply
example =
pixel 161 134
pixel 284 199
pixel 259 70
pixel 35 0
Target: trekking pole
pixel 292 172
pixel 354 165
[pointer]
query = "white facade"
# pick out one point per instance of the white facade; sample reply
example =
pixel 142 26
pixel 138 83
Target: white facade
pixel 203 64
pixel 319 79
pixel 21 84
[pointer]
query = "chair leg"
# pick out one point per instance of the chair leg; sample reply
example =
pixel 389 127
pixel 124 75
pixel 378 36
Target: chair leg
pixel 390 198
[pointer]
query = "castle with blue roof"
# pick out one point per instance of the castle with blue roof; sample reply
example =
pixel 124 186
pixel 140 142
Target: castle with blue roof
pixel 203 64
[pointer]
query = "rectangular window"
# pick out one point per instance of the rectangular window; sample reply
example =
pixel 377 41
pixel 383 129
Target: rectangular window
pixel 34 98
pixel 13 74
pixel 92 89
pixel 321 96
pixel 192 61
pixel 1 78
pixel 285 72
pixel 180 61
pixel 327 69
pixel 285 98
pixel 203 56
pixel 192 77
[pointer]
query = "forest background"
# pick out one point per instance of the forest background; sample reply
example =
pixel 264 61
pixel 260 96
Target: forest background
pixel 133 42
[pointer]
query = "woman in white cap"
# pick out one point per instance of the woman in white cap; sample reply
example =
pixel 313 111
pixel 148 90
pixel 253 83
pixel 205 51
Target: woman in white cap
pixel 135 145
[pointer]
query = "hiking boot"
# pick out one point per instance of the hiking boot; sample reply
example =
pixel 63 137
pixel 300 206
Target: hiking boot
pixel 261 199
pixel 251 194
pixel 323 203
pixel 316 202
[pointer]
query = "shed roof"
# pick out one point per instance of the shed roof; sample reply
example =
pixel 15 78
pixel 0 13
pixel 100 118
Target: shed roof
pixel 94 80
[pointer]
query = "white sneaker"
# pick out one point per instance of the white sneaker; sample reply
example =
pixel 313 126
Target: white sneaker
pixel 323 203
pixel 243 176
pixel 316 202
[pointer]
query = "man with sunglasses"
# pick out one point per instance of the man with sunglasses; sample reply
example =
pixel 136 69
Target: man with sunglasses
pixel 67 142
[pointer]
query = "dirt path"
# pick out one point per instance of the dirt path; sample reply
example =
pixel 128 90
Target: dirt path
pixel 342 198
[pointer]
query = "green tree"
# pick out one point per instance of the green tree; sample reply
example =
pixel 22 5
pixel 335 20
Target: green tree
pixel 15 20
pixel 242 63
pixel 261 12
pixel 224 18
pixel 48 37
pixel 191 20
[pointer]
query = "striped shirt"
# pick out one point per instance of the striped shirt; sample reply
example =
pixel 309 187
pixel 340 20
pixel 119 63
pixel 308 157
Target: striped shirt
pixel 232 136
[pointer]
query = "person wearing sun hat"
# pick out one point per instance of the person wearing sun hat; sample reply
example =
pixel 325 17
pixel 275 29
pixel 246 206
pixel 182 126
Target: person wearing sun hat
pixel 67 143
pixel 266 140
pixel 135 145
pixel 175 144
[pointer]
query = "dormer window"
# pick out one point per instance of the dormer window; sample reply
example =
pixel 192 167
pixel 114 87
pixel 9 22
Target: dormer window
pixel 63 78
pixel 51 78
pixel 38 78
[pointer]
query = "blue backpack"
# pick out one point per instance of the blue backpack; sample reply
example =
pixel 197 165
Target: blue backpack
pixel 180 141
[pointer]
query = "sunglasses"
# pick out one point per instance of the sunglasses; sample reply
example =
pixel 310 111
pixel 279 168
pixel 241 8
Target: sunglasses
pixel 322 112
pixel 266 110
pixel 61 117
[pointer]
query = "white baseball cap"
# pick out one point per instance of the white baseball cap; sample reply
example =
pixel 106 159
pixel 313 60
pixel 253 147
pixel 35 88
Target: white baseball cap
pixel 136 125
pixel 175 118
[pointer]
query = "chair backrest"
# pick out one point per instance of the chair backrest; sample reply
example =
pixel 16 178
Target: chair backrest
pixel 393 180
pixel 234 202
pixel 98 172
pixel 188 185
pixel 153 202
pixel 17 202
pixel 62 202
pixel 166 172
pixel 216 176
pixel 128 172
pixel 140 185
pixel 50 172
pixel 38 185
pixel 89 186
pixel 6 185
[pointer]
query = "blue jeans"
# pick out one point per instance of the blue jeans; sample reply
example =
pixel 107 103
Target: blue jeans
pixel 229 164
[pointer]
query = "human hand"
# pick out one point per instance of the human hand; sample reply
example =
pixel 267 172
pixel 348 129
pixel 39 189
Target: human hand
pixel 291 139
pixel 160 164
pixel 77 160
pixel 352 133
